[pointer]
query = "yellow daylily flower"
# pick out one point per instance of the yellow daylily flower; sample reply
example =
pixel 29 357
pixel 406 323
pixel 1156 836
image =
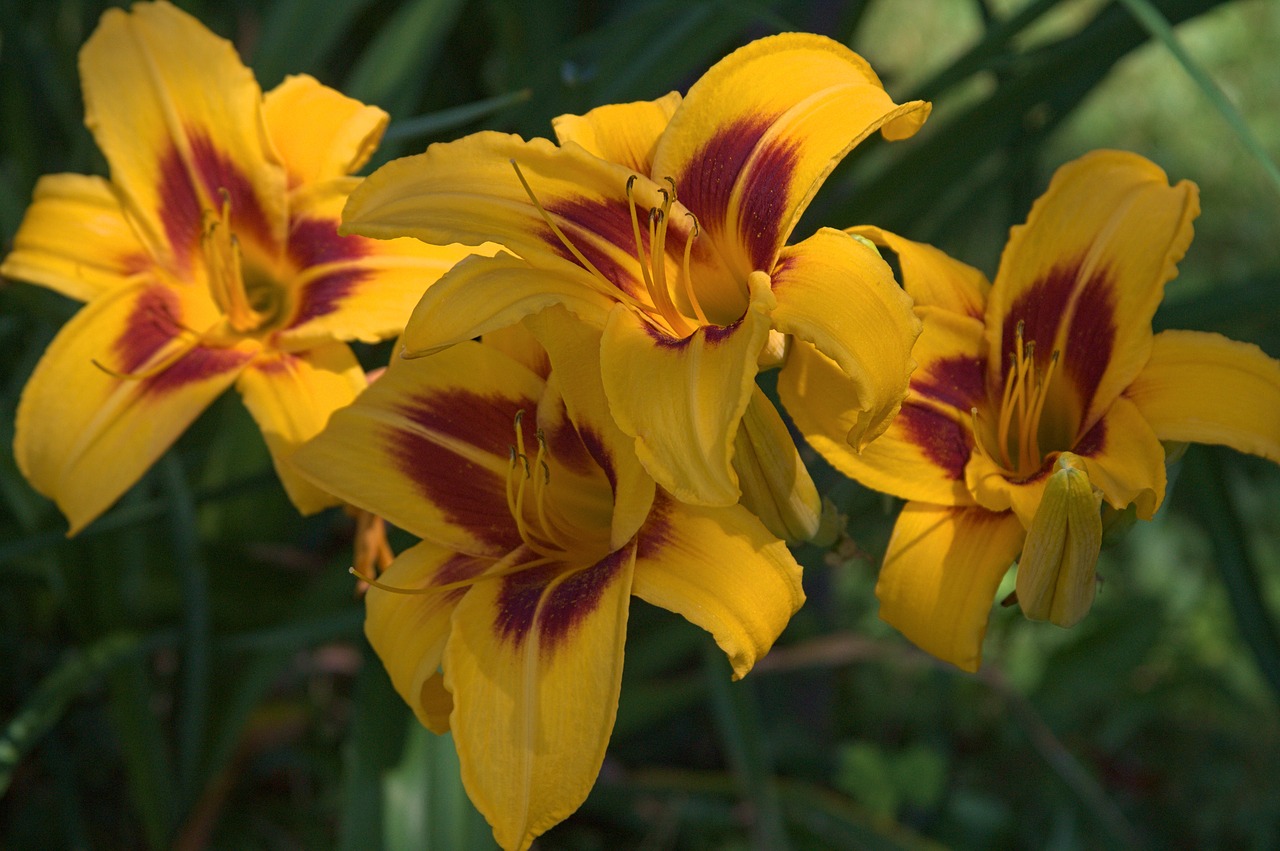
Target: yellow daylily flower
pixel 210 258
pixel 1035 399
pixel 664 224
pixel 506 623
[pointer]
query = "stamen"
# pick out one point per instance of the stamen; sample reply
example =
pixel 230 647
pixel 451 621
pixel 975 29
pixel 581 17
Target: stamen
pixel 1042 394
pixel 451 586
pixel 610 290
pixel 226 272
pixel 688 275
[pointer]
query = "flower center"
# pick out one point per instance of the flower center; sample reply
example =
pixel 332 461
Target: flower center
pixel 661 311
pixel 1017 427
pixel 249 298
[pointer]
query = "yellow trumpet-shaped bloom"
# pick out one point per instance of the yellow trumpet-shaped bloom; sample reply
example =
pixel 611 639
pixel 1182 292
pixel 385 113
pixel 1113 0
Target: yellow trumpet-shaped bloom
pixel 209 258
pixel 664 224
pixel 1035 399
pixel 506 623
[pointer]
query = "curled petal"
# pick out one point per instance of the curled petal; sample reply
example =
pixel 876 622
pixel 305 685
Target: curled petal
pixel 623 133
pixel 755 137
pixel 318 132
pixel 722 570
pixel 776 487
pixel 930 277
pixel 837 294
pixel 1204 388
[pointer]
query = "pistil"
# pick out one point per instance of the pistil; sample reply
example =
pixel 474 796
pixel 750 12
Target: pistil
pixel 226 274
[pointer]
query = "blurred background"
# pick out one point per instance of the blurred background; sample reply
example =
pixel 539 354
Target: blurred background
pixel 190 671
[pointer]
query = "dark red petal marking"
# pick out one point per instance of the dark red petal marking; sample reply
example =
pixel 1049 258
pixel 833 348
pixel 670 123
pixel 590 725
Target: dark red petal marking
pixel 1091 337
pixel 713 334
pixel 591 225
pixel 655 533
pixel 525 601
pixel 567 448
pixel 765 201
pixel 943 440
pixel 218 172
pixel 153 322
pixel 709 176
pixel 180 208
pixel 1094 440
pixel 459 568
pixel 570 602
pixel 469 496
pixel 199 364
pixel 957 382
pixel 313 242
pixel 181 205
pixel 598 453
pixel 1040 308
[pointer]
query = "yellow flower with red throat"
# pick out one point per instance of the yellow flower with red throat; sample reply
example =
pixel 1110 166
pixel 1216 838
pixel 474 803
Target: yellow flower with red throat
pixel 210 258
pixel 665 224
pixel 506 623
pixel 1037 398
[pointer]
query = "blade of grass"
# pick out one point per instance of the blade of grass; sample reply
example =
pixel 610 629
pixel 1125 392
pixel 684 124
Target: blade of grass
pixel 144 748
pixel 425 805
pixel 193 707
pixel 737 719
pixel 285 47
pixel 402 52
pixel 445 120
pixel 377 732
pixel 1155 24
pixel 73 676
pixel 1202 470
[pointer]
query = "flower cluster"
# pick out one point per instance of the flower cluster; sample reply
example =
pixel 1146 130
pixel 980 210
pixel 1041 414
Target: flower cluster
pixel 574 416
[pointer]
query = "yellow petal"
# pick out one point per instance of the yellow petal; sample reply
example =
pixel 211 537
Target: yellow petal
pixel 776 487
pixel 426 447
pixel 1204 388
pixel 291 398
pixel 940 577
pixel 930 277
pixel 179 118
pixel 1084 276
pixel 318 132
pixel 574 350
pixel 838 294
pixel 923 453
pixel 723 571
pixel 1056 569
pixel 408 631
pixel 350 287
pixel 682 400
pixel 755 137
pixel 487 294
pixel 469 192
pixel 623 133
pixel 534 663
pixel 518 343
pixel 75 239
pixel 84 435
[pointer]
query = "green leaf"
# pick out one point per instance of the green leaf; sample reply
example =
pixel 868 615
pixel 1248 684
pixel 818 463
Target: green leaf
pixel 374 743
pixel 287 46
pixel 77 672
pixel 425 806
pixel 1202 471
pixel 440 122
pixel 395 67
pixel 737 717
